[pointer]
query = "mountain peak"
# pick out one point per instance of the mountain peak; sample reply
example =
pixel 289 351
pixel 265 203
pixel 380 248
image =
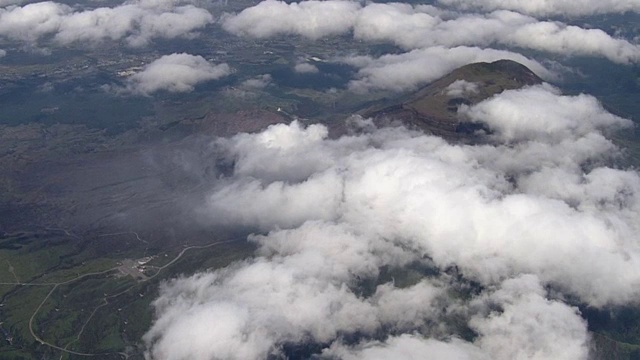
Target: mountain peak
pixel 434 108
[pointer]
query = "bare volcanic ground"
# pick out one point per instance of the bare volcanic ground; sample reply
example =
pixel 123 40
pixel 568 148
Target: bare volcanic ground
pixel 434 108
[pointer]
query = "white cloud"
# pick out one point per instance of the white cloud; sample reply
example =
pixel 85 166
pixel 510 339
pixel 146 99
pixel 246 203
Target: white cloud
pixel 545 8
pixel 302 288
pixel 306 68
pixel 408 27
pixel 409 347
pixel 418 67
pixel 461 88
pixel 312 19
pixel 175 73
pixel 32 21
pixel 531 326
pixel 527 212
pixel 258 82
pixel 136 22
pixel 420 27
pixel 562 39
pixel 510 114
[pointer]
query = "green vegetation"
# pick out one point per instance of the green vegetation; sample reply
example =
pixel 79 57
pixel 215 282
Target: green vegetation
pixel 81 302
pixel 24 256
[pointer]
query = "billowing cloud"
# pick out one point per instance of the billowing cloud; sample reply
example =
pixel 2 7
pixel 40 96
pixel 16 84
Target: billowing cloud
pixel 529 327
pixel 313 19
pixel 175 73
pixel 413 27
pixel 461 87
pixel 509 115
pixel 305 68
pixel 258 82
pixel 368 241
pixel 410 28
pixel 409 70
pixel 137 22
pixel 410 347
pixel 545 8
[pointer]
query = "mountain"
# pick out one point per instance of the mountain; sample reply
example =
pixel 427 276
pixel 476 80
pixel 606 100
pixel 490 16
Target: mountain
pixel 434 108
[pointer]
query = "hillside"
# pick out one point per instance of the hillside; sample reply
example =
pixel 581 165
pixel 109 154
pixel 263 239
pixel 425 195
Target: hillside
pixel 434 107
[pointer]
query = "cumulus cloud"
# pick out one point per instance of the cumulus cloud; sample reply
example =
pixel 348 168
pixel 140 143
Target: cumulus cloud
pixel 410 28
pixel 137 22
pixel 409 70
pixel 521 329
pixel 410 347
pixel 529 326
pixel 510 115
pixel 312 19
pixel 545 8
pixel 175 73
pixel 306 68
pixel 368 243
pixel 461 88
pixel 258 82
pixel 413 27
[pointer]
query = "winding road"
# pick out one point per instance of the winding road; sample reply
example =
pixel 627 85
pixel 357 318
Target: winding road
pixel 105 299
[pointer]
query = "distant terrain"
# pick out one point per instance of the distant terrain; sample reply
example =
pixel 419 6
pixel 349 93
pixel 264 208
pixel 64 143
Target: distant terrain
pixel 93 221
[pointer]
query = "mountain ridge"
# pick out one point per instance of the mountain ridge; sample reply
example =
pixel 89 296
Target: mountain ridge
pixel 434 108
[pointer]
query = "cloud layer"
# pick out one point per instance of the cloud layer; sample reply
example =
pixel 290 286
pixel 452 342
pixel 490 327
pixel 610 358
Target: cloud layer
pixel 137 22
pixel 175 73
pixel 413 27
pixel 524 215
pixel 545 7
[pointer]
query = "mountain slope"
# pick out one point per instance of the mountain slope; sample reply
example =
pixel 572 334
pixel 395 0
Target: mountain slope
pixel 434 107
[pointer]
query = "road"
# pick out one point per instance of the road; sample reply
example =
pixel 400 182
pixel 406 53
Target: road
pixel 105 300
